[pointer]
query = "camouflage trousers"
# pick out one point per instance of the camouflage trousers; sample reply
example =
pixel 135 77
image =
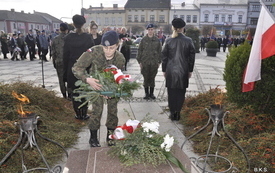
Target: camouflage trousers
pixel 149 72
pixel 62 85
pixel 112 119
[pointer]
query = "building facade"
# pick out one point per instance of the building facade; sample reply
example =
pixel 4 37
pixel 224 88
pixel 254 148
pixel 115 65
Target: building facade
pixel 113 17
pixel 20 22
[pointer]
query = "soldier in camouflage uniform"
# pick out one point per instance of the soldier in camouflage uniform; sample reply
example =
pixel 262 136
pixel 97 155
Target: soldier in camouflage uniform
pixel 99 58
pixel 57 54
pixel 149 59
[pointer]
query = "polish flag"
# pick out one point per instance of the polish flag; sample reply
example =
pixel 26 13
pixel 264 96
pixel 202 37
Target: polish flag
pixel 263 47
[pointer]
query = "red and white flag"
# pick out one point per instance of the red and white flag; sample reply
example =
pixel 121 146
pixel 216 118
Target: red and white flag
pixel 263 47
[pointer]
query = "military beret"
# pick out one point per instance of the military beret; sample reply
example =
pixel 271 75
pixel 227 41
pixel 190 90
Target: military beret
pixel 63 26
pixel 109 38
pixel 178 23
pixel 150 26
pixel 79 20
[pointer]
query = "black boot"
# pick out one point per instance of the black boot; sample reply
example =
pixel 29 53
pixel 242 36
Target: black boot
pixel 84 115
pixel 110 142
pixel 146 93
pixel 93 139
pixel 177 116
pixel 152 93
pixel 78 114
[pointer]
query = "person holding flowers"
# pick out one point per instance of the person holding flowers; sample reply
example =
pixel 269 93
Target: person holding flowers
pixel 98 58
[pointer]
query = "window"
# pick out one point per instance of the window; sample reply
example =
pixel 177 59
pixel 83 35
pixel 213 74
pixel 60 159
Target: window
pixel 206 17
pixel 14 25
pixel 106 21
pixel 223 17
pixel 182 17
pixel 130 18
pixel 142 18
pixel 216 17
pixel 255 7
pixel 98 21
pixel 195 18
pixel 119 21
pixel 175 16
pixel 136 18
pixel 270 8
pixel 188 18
pixel 253 21
pixel 161 18
pixel 113 21
pixel 152 18
pixel 230 18
pixel 240 18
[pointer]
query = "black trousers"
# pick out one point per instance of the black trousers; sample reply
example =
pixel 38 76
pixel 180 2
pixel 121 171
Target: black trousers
pixel 176 99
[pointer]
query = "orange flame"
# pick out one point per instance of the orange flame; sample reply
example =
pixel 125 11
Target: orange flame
pixel 220 97
pixel 23 100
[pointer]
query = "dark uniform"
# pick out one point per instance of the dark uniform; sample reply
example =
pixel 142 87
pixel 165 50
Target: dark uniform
pixel 95 59
pixel 57 54
pixel 30 40
pixel 149 56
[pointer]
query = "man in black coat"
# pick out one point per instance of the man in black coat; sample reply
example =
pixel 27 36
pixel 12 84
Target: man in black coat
pixel 30 40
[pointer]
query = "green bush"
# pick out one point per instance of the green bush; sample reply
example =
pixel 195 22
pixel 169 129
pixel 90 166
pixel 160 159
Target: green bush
pixel 194 34
pixel 212 44
pixel 262 98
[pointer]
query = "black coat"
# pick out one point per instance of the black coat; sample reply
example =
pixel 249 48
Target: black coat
pixel 74 45
pixel 178 58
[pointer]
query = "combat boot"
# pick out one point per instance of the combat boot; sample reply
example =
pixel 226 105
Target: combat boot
pixel 152 93
pixel 93 139
pixel 147 96
pixel 110 142
pixel 84 115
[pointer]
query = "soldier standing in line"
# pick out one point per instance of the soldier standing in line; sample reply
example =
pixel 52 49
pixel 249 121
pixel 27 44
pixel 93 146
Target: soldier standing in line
pixel 4 44
pixel 149 59
pixel 99 58
pixel 57 55
pixel 38 33
pixel 30 40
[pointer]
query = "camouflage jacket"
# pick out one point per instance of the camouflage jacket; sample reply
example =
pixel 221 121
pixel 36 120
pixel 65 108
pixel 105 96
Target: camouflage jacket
pixel 94 59
pixel 57 49
pixel 149 50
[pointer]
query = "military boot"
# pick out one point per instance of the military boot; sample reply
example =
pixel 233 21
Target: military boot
pixel 93 139
pixel 152 93
pixel 146 89
pixel 110 142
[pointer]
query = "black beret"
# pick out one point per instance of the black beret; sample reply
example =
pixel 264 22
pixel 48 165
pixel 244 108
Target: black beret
pixel 178 23
pixel 63 26
pixel 79 20
pixel 150 26
pixel 109 38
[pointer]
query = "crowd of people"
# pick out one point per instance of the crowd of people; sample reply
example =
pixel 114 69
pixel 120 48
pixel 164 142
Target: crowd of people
pixel 223 41
pixel 77 53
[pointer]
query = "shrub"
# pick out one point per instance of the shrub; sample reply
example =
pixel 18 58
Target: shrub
pixel 262 98
pixel 212 44
pixel 194 34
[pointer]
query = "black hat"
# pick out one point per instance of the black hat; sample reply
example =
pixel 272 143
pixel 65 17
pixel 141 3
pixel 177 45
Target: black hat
pixel 63 26
pixel 79 20
pixel 109 38
pixel 150 26
pixel 178 23
pixel 43 30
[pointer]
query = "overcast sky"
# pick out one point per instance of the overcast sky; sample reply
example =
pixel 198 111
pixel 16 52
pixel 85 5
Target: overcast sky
pixel 60 8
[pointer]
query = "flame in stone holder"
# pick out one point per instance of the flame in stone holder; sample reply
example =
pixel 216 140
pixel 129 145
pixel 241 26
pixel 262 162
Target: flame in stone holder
pixel 216 115
pixel 28 128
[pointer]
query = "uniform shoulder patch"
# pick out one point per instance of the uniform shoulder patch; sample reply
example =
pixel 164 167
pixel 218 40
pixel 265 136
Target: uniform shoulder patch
pixel 90 50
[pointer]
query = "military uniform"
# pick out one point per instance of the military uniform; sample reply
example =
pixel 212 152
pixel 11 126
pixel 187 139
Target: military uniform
pixel 94 59
pixel 57 54
pixel 149 56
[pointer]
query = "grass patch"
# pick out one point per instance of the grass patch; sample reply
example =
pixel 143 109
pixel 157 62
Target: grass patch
pixel 56 122
pixel 254 132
